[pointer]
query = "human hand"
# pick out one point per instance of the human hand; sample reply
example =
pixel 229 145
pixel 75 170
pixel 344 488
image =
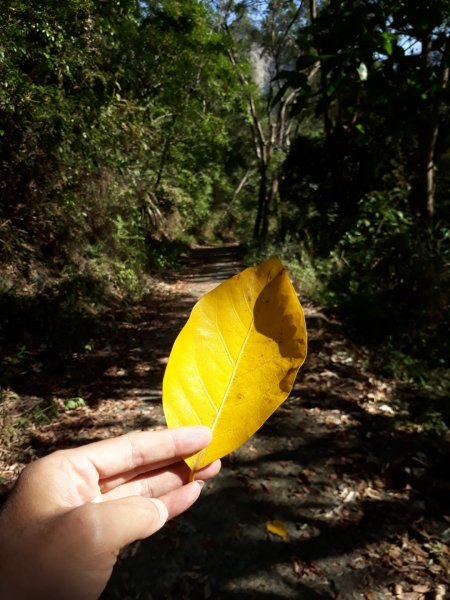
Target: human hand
pixel 72 511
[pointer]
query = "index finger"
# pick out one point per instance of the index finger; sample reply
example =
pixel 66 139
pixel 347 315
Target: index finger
pixel 139 448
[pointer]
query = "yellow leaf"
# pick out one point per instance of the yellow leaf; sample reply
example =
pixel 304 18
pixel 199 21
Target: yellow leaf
pixel 277 528
pixel 236 359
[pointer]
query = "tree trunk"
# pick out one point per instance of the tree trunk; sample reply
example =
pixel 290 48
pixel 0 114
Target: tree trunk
pixel 421 197
pixel 422 192
pixel 165 152
pixel 261 221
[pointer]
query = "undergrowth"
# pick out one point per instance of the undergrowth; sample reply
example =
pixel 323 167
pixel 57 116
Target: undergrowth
pixel 48 313
pixel 388 282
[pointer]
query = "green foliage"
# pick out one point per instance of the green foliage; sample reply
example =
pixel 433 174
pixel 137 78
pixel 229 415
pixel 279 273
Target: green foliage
pixel 391 274
pixel 365 206
pixel 306 273
pixel 126 132
pixel 102 108
pixel 388 278
pixel 74 403
pixel 370 261
pixel 115 128
pixel 37 415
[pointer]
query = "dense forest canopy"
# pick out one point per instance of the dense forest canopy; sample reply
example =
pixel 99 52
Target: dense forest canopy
pixel 318 130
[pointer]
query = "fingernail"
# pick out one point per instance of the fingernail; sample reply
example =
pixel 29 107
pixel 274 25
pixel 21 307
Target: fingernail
pixel 162 509
pixel 200 483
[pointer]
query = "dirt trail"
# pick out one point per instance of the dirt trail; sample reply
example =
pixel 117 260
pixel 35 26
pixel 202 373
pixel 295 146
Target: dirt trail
pixel 332 464
pixel 361 493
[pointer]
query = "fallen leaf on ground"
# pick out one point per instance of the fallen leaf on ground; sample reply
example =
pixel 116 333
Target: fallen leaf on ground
pixel 277 528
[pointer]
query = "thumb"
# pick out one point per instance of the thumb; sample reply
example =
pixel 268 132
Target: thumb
pixel 129 519
pixel 109 526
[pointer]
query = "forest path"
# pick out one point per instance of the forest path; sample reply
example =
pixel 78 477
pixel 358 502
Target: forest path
pixel 358 490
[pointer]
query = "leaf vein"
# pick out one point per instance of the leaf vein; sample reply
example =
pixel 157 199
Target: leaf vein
pixel 257 367
pixel 230 383
pixel 207 393
pixel 238 315
pixel 224 342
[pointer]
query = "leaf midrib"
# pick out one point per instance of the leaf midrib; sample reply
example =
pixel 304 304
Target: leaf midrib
pixel 230 383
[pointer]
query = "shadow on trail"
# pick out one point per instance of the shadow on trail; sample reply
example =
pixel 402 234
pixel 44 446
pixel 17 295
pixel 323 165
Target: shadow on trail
pixel 347 534
pixel 116 356
pixel 72 353
pixel 363 499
